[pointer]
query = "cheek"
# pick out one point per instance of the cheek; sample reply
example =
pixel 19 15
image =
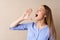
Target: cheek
pixel 41 15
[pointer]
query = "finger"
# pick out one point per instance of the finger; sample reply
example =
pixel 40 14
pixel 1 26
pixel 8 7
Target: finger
pixel 29 11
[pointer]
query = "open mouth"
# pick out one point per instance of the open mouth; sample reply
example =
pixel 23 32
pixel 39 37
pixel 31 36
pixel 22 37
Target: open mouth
pixel 36 15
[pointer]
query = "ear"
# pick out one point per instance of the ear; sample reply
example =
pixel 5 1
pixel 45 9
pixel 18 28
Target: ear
pixel 45 16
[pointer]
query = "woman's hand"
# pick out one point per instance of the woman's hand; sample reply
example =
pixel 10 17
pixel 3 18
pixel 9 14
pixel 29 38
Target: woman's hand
pixel 22 18
pixel 27 14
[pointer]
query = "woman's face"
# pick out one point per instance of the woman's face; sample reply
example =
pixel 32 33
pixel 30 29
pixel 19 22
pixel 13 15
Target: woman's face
pixel 40 13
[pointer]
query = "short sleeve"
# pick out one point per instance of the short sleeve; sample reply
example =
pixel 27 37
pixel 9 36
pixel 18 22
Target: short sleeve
pixel 21 26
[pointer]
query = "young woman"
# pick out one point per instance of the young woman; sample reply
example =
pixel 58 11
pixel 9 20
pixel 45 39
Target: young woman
pixel 42 29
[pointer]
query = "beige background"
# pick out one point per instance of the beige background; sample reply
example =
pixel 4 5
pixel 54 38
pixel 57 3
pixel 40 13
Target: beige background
pixel 10 10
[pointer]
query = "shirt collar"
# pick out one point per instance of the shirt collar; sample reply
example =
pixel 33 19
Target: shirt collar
pixel 36 29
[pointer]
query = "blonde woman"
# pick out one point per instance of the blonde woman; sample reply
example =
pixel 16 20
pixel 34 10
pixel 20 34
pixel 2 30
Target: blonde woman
pixel 42 29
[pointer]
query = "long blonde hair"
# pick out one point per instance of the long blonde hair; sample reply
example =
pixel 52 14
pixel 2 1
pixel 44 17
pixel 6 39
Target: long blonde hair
pixel 49 20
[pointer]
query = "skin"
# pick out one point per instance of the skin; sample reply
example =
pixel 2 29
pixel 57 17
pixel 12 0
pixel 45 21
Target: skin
pixel 40 18
pixel 40 12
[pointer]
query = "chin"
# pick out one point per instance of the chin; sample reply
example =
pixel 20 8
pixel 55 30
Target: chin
pixel 36 19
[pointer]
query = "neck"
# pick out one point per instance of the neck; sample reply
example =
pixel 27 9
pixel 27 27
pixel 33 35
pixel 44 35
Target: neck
pixel 40 24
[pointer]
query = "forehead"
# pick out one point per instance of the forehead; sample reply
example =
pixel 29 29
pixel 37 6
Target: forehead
pixel 41 8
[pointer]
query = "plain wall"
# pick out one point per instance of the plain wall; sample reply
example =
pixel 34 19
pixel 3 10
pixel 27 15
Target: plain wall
pixel 10 10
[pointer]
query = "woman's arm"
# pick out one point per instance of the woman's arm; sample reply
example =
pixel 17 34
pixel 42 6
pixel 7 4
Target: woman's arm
pixel 15 23
pixel 22 18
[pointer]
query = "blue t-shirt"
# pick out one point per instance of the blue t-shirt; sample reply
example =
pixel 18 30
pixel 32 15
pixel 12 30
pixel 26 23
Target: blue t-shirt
pixel 33 32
